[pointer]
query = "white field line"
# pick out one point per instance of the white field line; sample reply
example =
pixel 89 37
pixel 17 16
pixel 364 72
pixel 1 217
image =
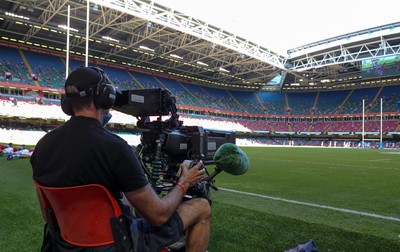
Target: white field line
pixel 343 210
pixel 379 160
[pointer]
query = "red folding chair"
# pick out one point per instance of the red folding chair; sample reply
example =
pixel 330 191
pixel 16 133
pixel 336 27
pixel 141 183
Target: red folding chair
pixel 86 215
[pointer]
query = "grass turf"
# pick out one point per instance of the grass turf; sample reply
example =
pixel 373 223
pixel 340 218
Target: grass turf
pixel 360 180
pixel 355 179
pixel 21 222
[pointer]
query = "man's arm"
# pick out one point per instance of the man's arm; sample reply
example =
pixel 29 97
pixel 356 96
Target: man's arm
pixel 158 210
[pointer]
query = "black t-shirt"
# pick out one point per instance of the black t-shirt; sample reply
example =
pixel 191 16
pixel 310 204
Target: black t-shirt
pixel 81 152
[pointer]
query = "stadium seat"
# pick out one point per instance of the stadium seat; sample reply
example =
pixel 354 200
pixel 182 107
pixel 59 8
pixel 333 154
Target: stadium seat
pixel 86 215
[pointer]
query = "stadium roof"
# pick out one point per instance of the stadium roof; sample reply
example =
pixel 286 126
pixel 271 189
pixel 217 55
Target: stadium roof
pixel 148 36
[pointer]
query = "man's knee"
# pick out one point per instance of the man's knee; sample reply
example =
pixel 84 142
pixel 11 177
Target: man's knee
pixel 195 210
pixel 206 205
pixel 203 206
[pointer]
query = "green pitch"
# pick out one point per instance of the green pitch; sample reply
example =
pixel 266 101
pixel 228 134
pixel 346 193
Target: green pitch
pixel 343 199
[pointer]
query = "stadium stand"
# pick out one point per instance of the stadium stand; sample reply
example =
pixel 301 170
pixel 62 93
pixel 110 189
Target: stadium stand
pixel 182 94
pixel 273 102
pixel 353 104
pixel 200 96
pixel 12 67
pixel 249 101
pixel 120 78
pixel 390 96
pixel 219 99
pixel 302 103
pixel 273 113
pixel 47 70
pixel 145 80
pixel 329 102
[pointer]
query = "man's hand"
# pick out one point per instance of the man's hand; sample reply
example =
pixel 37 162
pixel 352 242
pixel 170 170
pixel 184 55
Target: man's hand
pixel 158 210
pixel 190 176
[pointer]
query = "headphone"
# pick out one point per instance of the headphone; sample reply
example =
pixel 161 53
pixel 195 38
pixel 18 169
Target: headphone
pixel 104 94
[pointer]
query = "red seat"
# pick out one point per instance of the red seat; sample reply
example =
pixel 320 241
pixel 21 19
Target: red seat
pixel 86 215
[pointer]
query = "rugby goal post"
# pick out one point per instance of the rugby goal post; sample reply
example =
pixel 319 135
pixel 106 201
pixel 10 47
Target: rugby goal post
pixel 380 126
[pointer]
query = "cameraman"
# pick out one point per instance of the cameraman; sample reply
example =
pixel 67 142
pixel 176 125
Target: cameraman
pixel 82 151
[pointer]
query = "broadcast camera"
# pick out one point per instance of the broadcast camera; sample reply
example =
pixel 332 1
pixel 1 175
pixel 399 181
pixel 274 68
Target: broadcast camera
pixel 166 144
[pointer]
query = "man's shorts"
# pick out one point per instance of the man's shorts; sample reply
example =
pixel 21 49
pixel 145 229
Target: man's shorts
pixel 149 238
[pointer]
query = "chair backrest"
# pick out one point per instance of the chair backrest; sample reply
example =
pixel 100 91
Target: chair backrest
pixel 85 214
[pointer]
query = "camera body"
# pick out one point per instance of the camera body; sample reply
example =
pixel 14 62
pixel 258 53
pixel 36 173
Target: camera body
pixel 166 144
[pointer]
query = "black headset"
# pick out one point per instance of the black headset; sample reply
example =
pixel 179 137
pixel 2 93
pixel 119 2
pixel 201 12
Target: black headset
pixel 104 94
